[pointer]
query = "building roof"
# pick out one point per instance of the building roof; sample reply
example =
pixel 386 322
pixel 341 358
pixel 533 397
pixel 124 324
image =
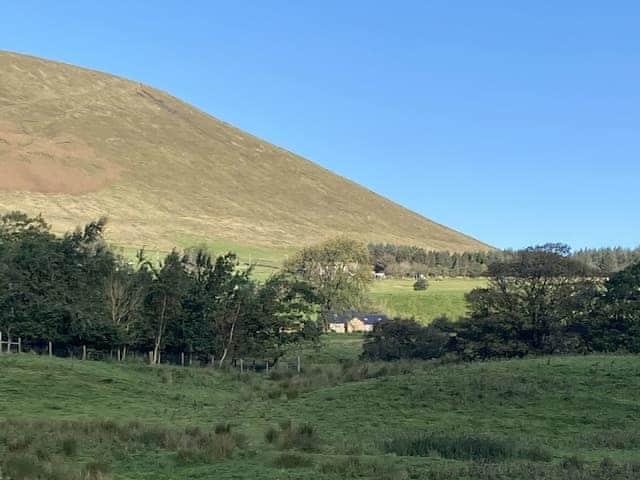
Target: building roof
pixel 367 318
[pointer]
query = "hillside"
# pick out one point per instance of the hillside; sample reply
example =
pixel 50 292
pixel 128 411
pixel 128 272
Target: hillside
pixel 76 144
pixel 535 419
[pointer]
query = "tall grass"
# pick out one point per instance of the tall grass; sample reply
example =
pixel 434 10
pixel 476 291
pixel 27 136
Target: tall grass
pixel 462 447
pixel 43 449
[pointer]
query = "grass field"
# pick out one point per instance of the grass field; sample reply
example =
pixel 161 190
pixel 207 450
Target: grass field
pixel 443 297
pixel 549 418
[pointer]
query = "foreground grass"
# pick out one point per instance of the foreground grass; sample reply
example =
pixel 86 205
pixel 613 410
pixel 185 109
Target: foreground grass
pixel 443 297
pixel 563 417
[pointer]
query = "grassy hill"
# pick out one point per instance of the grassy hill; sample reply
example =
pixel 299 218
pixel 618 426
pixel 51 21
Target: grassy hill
pixel 76 144
pixel 550 418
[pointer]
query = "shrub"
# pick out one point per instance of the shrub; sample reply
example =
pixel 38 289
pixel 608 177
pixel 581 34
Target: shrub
pixel 401 338
pixel 420 285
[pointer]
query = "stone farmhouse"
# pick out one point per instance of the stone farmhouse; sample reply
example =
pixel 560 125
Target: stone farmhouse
pixel 355 322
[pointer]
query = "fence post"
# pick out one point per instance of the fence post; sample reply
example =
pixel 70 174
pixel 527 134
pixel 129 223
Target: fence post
pixel 150 357
pixel 182 359
pixel 267 367
pixel 190 359
pixel 50 349
pixel 84 352
pixel 19 344
pixel 1 352
pixel 299 364
pixel 8 343
pixel 241 366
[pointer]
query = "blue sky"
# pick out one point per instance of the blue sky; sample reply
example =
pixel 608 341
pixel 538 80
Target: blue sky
pixel 515 122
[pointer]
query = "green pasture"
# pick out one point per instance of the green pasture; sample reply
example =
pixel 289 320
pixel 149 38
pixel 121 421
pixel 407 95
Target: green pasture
pixel 547 418
pixel 442 297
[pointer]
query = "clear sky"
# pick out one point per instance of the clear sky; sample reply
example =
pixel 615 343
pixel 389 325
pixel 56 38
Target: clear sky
pixel 517 122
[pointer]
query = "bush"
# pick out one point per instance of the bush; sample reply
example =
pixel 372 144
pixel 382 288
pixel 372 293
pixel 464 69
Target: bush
pixel 420 285
pixel 400 338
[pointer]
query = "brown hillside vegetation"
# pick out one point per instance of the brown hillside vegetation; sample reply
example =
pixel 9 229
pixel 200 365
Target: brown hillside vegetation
pixel 76 144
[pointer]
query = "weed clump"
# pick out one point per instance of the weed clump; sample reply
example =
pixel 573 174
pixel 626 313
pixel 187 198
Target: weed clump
pixel 291 436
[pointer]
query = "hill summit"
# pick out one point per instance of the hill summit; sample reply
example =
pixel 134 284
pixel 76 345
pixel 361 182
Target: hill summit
pixel 76 144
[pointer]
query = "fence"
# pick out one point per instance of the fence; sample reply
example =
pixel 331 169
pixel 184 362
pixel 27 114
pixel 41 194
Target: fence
pixel 168 358
pixel 8 343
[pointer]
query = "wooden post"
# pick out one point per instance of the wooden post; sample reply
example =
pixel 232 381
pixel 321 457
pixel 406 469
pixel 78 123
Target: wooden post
pixel 182 359
pixel 241 366
pixel 299 364
pixel 84 352
pixel 50 349
pixel 19 344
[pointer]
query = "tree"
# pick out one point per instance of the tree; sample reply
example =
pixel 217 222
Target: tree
pixel 338 270
pixel 615 323
pixel 420 284
pixel 280 314
pixel 125 291
pixel 529 306
pixel 164 299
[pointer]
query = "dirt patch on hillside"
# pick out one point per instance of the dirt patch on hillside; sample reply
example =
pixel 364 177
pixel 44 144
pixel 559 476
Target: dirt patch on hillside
pixel 57 164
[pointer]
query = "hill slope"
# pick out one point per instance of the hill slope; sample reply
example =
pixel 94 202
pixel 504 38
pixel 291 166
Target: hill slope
pixel 76 144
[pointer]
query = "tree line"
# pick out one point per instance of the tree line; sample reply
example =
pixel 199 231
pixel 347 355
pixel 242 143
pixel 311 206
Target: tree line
pixel 73 290
pixel 540 301
pixel 410 261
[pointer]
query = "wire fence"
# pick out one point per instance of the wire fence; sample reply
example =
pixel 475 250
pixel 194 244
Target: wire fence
pixel 13 345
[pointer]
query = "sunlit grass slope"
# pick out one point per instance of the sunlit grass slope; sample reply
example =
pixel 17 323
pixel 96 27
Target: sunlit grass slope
pixel 442 297
pixel 76 144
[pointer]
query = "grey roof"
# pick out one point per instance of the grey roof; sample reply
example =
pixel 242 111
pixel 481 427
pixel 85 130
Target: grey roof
pixel 367 318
